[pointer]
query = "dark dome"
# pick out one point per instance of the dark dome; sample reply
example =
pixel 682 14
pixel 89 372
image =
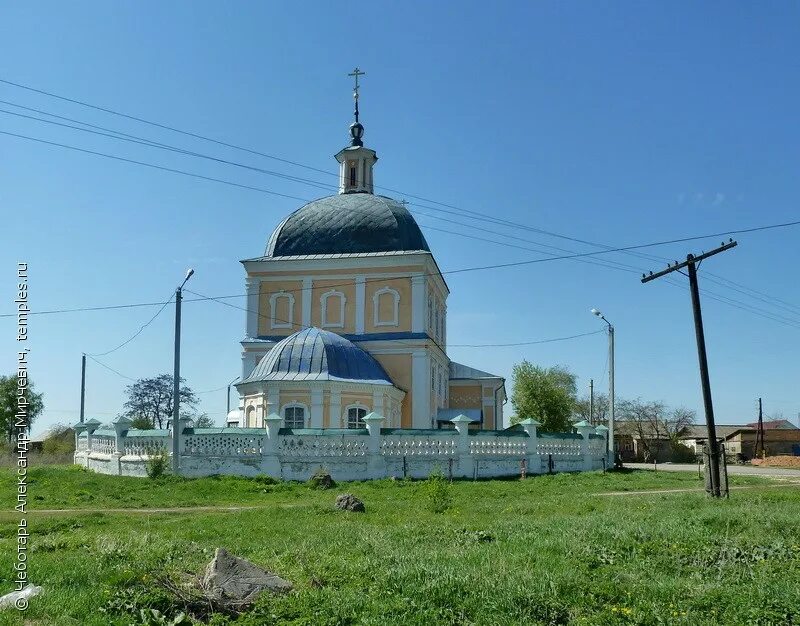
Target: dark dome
pixel 349 223
pixel 315 354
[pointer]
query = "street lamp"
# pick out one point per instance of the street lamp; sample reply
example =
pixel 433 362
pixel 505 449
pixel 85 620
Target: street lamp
pixel 176 382
pixel 610 383
pixel 229 396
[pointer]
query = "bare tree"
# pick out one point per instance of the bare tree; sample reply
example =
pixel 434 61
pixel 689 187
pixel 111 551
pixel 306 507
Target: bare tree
pixel 150 401
pixel 600 413
pixel 654 425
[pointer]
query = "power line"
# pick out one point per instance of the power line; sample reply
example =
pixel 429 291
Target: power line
pixel 460 211
pixel 461 270
pixel 111 369
pixel 578 256
pixel 133 138
pixel 162 126
pixel 522 343
pixel 317 184
pixel 136 334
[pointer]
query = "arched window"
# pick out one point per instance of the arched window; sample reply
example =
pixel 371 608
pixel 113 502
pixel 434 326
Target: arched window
pixel 250 417
pixel 281 307
pixel 386 307
pixel 431 298
pixel 333 309
pixel 294 415
pixel 355 416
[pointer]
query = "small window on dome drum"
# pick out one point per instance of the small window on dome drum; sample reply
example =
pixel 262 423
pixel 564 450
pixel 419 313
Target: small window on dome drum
pixel 352 177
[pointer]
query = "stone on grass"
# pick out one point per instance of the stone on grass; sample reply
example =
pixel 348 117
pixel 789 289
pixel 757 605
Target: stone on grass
pixel 348 502
pixel 233 580
pixel 19 599
pixel 321 480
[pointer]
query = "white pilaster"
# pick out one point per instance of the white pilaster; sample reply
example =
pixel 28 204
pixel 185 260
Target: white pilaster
pixel 335 420
pixel 248 363
pixel 360 304
pixel 420 389
pixel 306 302
pixel 316 408
pixel 419 304
pixel 378 405
pixel 253 286
pixel 273 405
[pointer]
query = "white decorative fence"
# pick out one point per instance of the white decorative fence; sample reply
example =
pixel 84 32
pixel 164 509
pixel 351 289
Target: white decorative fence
pixel 353 454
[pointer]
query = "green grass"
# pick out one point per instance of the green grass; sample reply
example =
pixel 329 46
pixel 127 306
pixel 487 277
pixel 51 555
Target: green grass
pixel 547 550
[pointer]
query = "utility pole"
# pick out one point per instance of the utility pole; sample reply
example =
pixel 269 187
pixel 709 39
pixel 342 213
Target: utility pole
pixel 176 382
pixel 691 264
pixel 83 384
pixel 591 400
pixel 610 447
pixel 760 447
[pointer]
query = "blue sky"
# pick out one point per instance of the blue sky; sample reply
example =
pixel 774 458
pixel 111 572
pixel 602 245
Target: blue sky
pixel 620 123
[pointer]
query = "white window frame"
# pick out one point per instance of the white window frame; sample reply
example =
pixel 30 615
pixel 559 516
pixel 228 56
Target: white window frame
pixel 346 414
pixel 295 405
pixel 273 301
pixel 376 308
pixel 324 305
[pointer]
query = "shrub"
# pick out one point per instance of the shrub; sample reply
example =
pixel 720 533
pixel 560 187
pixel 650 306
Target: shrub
pixel 437 492
pixel 263 479
pixel 157 464
pixel 681 453
pixel 60 441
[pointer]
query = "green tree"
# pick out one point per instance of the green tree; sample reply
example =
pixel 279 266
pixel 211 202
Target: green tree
pixel 150 399
pixel 9 391
pixel 547 394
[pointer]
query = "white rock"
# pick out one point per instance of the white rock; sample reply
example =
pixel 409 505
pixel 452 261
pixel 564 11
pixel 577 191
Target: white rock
pixel 11 599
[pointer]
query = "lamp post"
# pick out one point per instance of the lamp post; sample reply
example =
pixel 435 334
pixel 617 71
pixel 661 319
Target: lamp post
pixel 229 396
pixel 610 384
pixel 176 382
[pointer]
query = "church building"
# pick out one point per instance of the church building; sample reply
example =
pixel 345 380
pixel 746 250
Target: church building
pixel 347 315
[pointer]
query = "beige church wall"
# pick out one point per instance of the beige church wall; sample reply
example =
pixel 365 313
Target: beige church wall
pixel 398 366
pixel 465 397
pixel 301 397
pixel 488 417
pixel 320 287
pixel 488 392
pixel 268 288
pixel 403 287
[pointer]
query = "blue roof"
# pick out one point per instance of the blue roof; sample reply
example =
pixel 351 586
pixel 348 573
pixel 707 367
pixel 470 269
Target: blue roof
pixel 354 223
pixel 315 354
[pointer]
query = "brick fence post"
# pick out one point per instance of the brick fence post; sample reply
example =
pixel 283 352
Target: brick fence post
pixel 466 464
pixel 533 460
pixel 584 429
pixel 91 426
pixel 376 467
pixel 270 462
pixel 79 428
pixel 121 426
pixel 603 430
